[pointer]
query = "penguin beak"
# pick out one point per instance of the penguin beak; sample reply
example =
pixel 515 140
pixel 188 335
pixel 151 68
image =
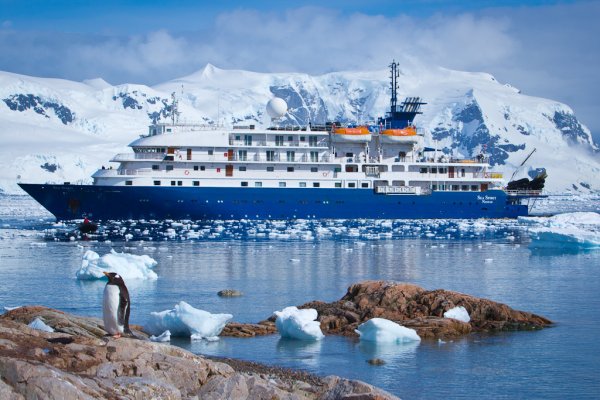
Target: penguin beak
pixel 105 273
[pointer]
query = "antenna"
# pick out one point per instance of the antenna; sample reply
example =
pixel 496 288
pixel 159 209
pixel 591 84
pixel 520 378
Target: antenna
pixel 394 85
pixel 174 110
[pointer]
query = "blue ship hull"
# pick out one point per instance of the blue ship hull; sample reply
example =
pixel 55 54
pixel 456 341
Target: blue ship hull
pixel 68 202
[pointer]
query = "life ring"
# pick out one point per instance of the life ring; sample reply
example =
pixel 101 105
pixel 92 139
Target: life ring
pixel 325 173
pixel 187 172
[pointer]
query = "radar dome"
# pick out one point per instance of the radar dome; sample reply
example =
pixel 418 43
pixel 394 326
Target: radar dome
pixel 276 107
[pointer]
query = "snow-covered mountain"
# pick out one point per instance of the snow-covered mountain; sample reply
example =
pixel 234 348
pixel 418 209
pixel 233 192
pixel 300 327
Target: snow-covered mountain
pixel 57 130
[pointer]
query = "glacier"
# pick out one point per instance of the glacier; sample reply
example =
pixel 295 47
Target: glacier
pixel 56 130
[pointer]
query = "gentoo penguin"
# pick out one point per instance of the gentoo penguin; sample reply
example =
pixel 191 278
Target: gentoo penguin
pixel 116 306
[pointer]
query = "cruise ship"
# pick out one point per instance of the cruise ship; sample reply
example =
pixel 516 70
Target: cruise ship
pixel 378 170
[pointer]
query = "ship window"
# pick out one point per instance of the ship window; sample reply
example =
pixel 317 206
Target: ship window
pixel 241 168
pixel 464 188
pixel 156 183
pixel 316 184
pixel 433 187
pixel 290 169
pixel 196 183
pixel 128 183
pixel 195 168
pixel 433 170
pixel 462 172
pixel 179 183
pixel 169 168
pixel 270 169
pixel 337 169
pixel 351 168
pixel 302 184
pixel 423 170
pixel 210 152
pixel 291 155
pixel 338 184
pixel 455 187
pixel 238 137
pixel 349 154
pixel 202 168
pixel 290 138
pixel 172 183
pixel 351 184
pixel 244 183
pixel 312 140
pixel 302 139
pixel 155 167
pixel 474 188
pixel 443 170
pixel 282 184
pixel 314 169
pixel 242 155
pixel 278 140
pixel 314 156
pixel 258 184
pixel 248 140
pixel 169 129
pixel 270 155
pixel 365 184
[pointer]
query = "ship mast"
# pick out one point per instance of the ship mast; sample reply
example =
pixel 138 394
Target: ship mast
pixel 394 85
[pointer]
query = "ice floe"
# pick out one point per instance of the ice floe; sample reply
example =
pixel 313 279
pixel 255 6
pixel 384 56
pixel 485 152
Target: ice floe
pixel 460 313
pixel 163 337
pixel 381 330
pixel 298 324
pixel 129 266
pixel 185 320
pixel 569 230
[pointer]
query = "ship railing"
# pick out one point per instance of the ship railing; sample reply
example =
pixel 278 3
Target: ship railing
pixel 524 193
pixel 396 190
pixel 488 175
pixel 294 143
pixel 137 156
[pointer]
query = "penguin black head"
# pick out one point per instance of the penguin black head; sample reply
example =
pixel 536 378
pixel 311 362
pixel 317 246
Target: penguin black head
pixel 114 278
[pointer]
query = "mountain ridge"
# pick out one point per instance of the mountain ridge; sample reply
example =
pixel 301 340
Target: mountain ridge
pixel 467 112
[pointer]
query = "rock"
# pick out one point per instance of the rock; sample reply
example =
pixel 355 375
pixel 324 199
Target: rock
pixel 79 362
pixel 249 330
pixel 414 307
pixel 376 361
pixel 230 293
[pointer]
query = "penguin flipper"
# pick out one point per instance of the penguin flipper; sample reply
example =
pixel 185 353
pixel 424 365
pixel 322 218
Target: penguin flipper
pixel 123 314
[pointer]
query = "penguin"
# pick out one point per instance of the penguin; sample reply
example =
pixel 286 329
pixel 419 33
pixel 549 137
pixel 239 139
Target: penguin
pixel 116 306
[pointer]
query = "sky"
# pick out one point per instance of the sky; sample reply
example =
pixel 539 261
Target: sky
pixel 545 48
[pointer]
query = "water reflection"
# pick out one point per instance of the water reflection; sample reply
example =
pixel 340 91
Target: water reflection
pixel 305 352
pixel 388 352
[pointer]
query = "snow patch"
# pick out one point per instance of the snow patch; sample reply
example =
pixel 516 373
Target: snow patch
pixel 38 324
pixel 459 313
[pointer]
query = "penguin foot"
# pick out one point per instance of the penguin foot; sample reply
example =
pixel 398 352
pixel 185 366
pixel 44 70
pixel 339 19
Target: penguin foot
pixel 116 336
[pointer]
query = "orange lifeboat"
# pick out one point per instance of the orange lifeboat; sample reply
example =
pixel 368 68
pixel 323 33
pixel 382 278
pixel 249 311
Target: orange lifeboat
pixel 359 134
pixel 404 135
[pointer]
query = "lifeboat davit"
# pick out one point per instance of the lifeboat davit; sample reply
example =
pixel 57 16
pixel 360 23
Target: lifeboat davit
pixel 360 134
pixel 404 135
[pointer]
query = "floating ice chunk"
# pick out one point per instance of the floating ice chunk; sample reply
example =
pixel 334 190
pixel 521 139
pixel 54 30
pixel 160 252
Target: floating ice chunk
pixel 569 230
pixel 163 337
pixel 298 324
pixel 38 324
pixel 185 320
pixel 459 313
pixel 9 308
pixel 129 266
pixel 381 330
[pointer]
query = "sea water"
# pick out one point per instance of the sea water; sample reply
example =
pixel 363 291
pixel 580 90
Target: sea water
pixel 278 264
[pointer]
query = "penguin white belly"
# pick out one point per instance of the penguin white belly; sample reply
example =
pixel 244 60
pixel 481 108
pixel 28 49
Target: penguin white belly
pixel 111 310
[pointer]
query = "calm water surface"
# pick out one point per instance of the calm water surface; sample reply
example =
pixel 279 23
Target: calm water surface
pixel 559 362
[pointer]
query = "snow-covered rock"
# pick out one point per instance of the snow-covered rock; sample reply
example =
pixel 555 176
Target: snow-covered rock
pixel 381 330
pixel 185 320
pixel 129 266
pixel 459 313
pixel 68 129
pixel 298 324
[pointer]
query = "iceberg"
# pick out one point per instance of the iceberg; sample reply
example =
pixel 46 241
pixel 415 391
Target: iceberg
pixel 381 330
pixel 129 266
pixel 460 313
pixel 38 324
pixel 298 324
pixel 163 337
pixel 576 230
pixel 185 320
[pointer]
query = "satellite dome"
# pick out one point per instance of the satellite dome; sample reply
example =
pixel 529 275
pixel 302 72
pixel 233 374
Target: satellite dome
pixel 276 107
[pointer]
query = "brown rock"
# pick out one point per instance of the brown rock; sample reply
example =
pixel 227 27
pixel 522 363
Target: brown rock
pixel 87 365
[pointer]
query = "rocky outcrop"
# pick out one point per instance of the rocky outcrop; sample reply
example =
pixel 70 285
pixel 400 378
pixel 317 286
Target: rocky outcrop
pixel 419 309
pixel 78 361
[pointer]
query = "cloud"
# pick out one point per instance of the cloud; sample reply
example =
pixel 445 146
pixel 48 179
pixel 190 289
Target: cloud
pixel 550 51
